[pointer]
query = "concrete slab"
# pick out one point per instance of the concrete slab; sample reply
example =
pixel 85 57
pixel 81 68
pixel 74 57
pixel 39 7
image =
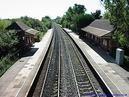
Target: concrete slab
pixel 115 83
pixel 17 81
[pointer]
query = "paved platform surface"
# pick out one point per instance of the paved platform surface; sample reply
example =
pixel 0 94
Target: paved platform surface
pixel 18 79
pixel 111 61
pixel 111 74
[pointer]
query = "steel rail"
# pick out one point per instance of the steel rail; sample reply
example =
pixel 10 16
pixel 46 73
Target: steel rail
pixel 59 74
pixel 77 54
pixel 61 38
pixel 48 65
pixel 73 71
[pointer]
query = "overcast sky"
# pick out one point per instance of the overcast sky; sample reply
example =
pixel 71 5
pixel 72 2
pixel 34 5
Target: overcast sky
pixel 41 8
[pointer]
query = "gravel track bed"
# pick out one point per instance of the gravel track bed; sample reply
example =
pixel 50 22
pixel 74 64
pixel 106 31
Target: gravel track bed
pixel 87 84
pixel 68 86
pixel 51 83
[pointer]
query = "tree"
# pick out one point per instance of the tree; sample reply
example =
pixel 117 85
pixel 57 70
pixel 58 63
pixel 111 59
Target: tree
pixel 34 23
pixel 46 21
pixel 71 17
pixel 79 9
pixel 3 24
pixel 57 19
pixel 97 14
pixel 84 20
pixel 8 41
pixel 118 13
pixel 42 26
pixel 75 18
pixel 106 15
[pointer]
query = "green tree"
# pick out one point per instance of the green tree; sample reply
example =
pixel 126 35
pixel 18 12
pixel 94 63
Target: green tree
pixel 42 26
pixel 34 23
pixel 75 18
pixel 71 17
pixel 3 24
pixel 8 41
pixel 84 20
pixel 79 9
pixel 97 14
pixel 46 21
pixel 117 11
pixel 106 15
pixel 58 20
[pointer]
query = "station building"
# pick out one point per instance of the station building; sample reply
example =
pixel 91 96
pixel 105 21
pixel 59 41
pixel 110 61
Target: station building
pixel 100 33
pixel 26 35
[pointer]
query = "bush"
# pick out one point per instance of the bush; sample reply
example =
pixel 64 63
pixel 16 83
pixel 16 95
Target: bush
pixel 6 62
pixel 39 36
pixel 126 61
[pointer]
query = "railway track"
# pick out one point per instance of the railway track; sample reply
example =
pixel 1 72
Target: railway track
pixel 50 87
pixel 87 84
pixel 65 72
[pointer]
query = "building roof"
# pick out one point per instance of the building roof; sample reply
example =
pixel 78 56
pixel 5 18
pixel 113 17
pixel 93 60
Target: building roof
pixel 21 26
pixel 32 31
pixel 99 27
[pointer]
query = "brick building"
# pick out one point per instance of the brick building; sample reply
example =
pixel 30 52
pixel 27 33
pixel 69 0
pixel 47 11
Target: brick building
pixel 100 33
pixel 26 35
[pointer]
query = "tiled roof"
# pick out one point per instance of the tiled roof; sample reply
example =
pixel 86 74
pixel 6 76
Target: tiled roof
pixel 32 31
pixel 99 27
pixel 21 26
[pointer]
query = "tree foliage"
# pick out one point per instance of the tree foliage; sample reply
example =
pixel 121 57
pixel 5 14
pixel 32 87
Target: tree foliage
pixel 3 24
pixel 57 20
pixel 117 11
pixel 42 26
pixel 97 14
pixel 75 18
pixel 84 20
pixel 8 39
pixel 34 23
pixel 46 21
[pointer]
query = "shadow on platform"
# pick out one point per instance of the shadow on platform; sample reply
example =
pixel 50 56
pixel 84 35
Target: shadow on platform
pixel 31 52
pixel 105 55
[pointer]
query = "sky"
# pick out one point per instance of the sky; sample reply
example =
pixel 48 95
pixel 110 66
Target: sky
pixel 40 8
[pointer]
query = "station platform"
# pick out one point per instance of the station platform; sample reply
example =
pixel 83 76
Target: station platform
pixel 110 73
pixel 18 79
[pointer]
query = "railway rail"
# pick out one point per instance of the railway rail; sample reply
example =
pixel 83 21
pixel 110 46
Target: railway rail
pixel 65 72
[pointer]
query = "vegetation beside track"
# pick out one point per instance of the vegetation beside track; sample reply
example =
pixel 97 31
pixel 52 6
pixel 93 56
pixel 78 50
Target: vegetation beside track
pixel 8 39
